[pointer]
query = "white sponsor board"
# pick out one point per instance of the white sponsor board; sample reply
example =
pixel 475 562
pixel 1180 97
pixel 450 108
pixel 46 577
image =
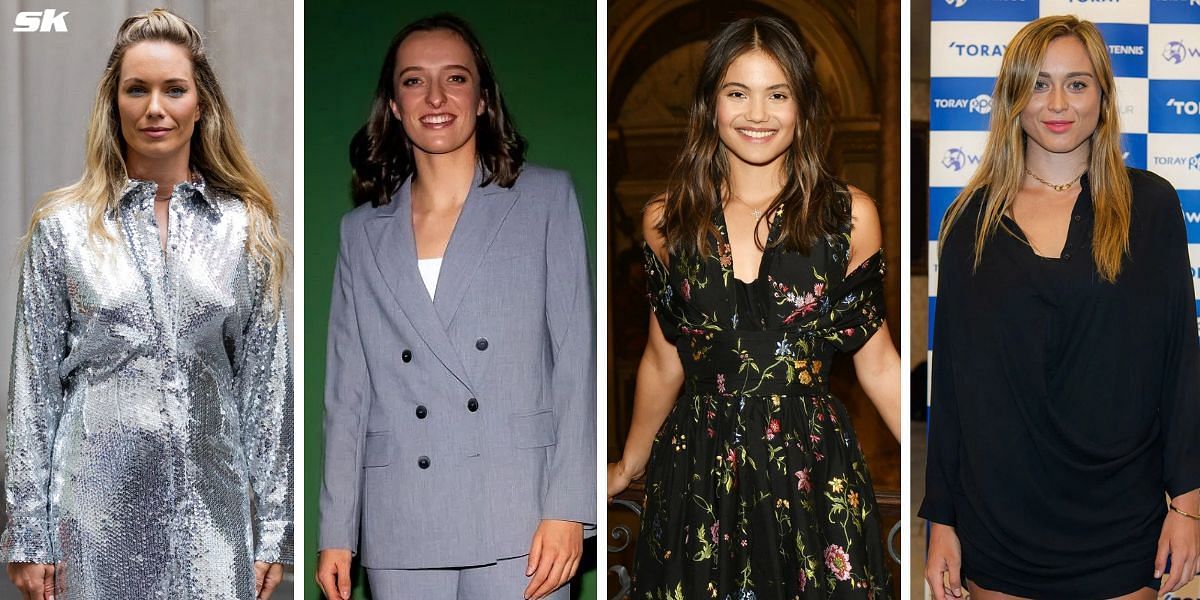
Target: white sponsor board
pixel 1099 11
pixel 1173 51
pixel 968 49
pixel 1131 103
pixel 1175 156
pixel 953 157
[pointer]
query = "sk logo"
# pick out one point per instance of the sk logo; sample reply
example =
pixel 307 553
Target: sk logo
pixel 954 159
pixel 960 3
pixel 41 21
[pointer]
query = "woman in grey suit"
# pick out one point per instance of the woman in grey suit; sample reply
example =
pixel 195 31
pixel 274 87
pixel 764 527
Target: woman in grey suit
pixel 460 399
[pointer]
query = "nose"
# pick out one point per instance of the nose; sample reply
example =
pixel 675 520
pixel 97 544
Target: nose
pixel 436 96
pixel 756 111
pixel 1057 102
pixel 155 108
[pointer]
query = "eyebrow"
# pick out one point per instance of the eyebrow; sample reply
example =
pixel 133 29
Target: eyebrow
pixel 445 68
pixel 742 85
pixel 169 81
pixel 1069 75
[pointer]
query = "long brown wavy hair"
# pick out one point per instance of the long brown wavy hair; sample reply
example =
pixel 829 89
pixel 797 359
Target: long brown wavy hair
pixel 814 203
pixel 1002 167
pixel 381 152
pixel 216 152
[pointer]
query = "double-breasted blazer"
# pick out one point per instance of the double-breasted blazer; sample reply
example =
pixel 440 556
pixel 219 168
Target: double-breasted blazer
pixel 453 426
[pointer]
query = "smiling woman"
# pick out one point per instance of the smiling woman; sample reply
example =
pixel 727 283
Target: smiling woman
pixel 149 425
pixel 454 229
pixel 1059 268
pixel 762 266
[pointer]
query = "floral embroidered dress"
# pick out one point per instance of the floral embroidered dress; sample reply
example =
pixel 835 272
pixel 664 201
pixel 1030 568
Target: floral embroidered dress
pixel 757 488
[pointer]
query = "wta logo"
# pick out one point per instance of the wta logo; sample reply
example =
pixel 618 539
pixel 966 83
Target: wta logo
pixel 1176 52
pixel 960 3
pixel 956 159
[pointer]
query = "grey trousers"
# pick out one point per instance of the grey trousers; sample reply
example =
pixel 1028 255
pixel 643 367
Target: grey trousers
pixel 504 580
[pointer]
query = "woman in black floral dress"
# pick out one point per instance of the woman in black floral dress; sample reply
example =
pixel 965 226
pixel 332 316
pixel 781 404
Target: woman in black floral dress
pixel 761 266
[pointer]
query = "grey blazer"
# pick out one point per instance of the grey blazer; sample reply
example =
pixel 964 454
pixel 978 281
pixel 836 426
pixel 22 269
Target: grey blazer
pixel 453 426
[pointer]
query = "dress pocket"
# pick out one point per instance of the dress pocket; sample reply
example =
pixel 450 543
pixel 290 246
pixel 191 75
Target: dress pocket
pixel 534 430
pixel 378 452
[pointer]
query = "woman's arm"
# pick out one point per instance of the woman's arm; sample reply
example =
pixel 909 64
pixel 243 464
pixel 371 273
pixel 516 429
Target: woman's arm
pixel 877 363
pixel 659 377
pixel 1179 409
pixel 36 396
pixel 263 372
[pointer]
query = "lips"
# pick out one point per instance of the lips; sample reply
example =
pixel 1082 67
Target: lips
pixel 1058 126
pixel 438 120
pixel 754 134
pixel 156 132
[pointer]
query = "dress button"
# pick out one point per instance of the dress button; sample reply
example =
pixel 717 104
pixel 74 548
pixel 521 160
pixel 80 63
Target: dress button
pixel 406 355
pixel 421 412
pixel 1066 256
pixel 423 462
pixel 481 344
pixel 472 405
pixel 1077 218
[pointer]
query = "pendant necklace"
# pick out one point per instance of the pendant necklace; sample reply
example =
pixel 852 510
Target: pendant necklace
pixel 1058 187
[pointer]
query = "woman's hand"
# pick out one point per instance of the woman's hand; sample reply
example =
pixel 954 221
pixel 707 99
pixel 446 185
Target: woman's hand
pixel 553 557
pixel 333 573
pixel 619 478
pixel 266 578
pixel 945 558
pixel 1179 540
pixel 35 580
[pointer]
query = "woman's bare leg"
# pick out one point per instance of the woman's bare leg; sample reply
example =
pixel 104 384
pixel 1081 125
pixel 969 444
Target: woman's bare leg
pixel 978 593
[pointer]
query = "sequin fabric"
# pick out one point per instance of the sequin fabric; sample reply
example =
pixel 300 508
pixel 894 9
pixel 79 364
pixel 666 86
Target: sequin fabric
pixel 150 408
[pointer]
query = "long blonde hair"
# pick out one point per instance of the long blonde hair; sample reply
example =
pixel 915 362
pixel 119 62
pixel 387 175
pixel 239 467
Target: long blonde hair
pixel 1002 168
pixel 217 151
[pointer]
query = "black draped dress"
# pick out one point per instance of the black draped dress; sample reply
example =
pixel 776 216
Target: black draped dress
pixel 1064 407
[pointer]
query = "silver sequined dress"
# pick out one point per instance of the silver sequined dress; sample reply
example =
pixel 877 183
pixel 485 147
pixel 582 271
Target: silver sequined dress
pixel 150 404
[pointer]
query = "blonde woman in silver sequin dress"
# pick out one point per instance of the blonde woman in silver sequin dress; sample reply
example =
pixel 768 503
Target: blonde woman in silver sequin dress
pixel 149 420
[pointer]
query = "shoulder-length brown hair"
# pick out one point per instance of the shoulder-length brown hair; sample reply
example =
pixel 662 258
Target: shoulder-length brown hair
pixel 815 203
pixel 1002 167
pixel 381 152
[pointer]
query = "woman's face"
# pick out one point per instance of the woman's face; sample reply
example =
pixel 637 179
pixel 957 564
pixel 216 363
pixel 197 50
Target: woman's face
pixel 437 97
pixel 157 101
pixel 1065 106
pixel 756 110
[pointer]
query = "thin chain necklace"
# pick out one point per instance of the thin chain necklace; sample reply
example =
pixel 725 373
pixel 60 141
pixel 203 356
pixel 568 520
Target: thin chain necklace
pixel 756 213
pixel 1058 187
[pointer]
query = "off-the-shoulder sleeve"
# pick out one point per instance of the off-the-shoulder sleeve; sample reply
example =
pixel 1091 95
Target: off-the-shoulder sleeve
pixel 35 396
pixel 661 295
pixel 856 308
pixel 1179 410
pixel 264 384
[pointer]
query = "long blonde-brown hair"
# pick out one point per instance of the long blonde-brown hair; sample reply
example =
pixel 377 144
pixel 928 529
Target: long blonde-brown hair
pixel 217 152
pixel 1002 167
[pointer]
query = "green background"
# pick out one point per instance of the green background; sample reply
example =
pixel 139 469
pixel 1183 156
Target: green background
pixel 544 56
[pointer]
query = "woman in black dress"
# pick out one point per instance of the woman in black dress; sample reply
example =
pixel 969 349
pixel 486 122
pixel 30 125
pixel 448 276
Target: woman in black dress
pixel 1065 394
pixel 762 266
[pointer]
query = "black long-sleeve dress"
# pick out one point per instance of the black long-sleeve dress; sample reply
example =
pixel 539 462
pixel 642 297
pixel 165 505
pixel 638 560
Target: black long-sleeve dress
pixel 1064 407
